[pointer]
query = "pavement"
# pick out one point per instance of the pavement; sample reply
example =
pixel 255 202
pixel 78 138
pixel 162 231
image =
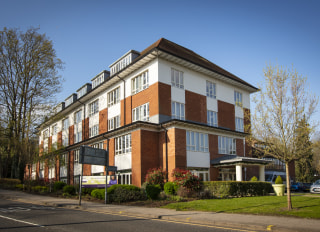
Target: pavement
pixel 236 222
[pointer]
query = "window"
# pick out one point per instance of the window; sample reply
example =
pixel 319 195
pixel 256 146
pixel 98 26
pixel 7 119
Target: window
pixel 212 118
pixel 64 159
pixel 197 141
pixel 140 82
pixel 239 124
pixel 41 165
pixel 211 89
pixel 177 110
pixel 65 124
pixel 94 130
pixel 94 107
pixel 97 81
pixel 46 134
pixel 78 117
pixel 114 123
pixel 140 113
pixel 98 145
pixel 54 129
pixel 78 134
pixel 76 156
pixel 114 97
pixel 124 178
pixel 177 78
pixel 227 145
pixel 123 144
pixel 238 98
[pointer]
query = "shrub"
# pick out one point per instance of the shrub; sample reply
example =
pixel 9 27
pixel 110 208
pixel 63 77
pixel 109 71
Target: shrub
pixel 87 191
pixel 39 189
pixel 98 193
pixel 153 191
pixel 156 176
pixel 126 194
pixel 254 178
pixel 278 180
pixel 20 186
pixel 9 183
pixel 171 188
pixel 187 180
pixel 69 189
pixel 58 185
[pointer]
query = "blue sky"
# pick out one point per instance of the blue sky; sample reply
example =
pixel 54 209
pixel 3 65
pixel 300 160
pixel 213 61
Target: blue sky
pixel 241 36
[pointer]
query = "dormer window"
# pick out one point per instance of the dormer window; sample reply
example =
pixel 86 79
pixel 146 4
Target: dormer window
pixel 100 78
pixel 123 62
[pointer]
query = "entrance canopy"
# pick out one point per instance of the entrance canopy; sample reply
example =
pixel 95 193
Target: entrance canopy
pixel 239 161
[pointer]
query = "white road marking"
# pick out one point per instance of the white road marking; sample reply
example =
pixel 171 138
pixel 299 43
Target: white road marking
pixel 29 223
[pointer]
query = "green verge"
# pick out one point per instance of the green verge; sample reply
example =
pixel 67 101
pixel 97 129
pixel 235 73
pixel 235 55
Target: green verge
pixel 305 206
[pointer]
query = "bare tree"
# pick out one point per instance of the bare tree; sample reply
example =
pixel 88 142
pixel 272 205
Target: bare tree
pixel 282 102
pixel 28 78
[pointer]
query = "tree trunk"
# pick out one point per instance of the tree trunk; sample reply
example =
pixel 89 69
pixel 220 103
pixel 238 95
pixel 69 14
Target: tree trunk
pixel 288 187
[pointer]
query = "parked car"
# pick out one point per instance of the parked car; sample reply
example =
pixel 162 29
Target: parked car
pixel 300 187
pixel 315 187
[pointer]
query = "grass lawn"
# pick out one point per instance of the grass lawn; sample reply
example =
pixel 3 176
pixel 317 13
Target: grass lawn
pixel 306 206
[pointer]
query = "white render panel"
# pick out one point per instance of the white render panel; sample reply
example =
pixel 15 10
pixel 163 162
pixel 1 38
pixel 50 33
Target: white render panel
pixel 239 112
pixel 212 104
pixel 198 159
pixel 114 110
pixel 51 173
pixel 225 93
pixel 178 95
pixel 103 101
pixel 77 169
pixel 94 120
pixel 97 168
pixel 123 161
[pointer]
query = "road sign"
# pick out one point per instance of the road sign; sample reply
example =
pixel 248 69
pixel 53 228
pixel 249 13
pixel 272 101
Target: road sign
pixel 90 155
pixel 111 168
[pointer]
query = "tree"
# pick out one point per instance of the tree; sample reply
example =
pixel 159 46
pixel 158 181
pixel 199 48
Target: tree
pixel 303 166
pixel 316 155
pixel 28 79
pixel 281 104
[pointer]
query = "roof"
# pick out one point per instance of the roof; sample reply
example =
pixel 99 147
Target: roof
pixel 189 55
pixel 234 159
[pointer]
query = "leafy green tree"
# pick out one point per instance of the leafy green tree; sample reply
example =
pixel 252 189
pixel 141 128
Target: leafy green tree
pixel 303 166
pixel 28 78
pixel 282 102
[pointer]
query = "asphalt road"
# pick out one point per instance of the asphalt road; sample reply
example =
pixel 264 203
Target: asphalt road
pixel 17 216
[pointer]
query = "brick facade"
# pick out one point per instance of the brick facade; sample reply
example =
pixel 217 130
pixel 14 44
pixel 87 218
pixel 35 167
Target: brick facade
pixel 226 115
pixel 196 107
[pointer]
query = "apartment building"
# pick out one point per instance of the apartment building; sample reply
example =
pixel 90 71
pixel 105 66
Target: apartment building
pixel 164 107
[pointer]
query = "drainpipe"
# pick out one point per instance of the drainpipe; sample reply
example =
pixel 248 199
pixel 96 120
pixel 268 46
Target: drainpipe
pixel 124 100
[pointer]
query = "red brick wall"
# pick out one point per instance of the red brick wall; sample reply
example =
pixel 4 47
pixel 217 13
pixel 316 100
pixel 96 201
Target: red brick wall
pixel 85 128
pixel 57 169
pixel 239 147
pixel 177 153
pixel 162 150
pixel 125 115
pixel 164 94
pixel 86 169
pixel 59 139
pixel 71 167
pixel 226 115
pixel 136 157
pixel 247 120
pixel 103 121
pixel 196 107
pixel 213 149
pixel 71 135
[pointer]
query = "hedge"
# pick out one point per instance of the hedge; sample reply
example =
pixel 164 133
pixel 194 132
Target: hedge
pixel 9 183
pixel 224 189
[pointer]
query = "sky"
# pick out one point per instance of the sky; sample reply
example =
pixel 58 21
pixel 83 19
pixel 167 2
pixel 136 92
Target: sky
pixel 241 36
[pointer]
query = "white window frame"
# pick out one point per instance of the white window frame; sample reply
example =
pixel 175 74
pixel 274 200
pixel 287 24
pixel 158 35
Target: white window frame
pixel 227 145
pixel 197 141
pixel 94 107
pixel 177 78
pixel 76 156
pixel 141 113
pixel 212 118
pixel 114 123
pixel 65 124
pixel 78 117
pixel 238 98
pixel 94 130
pixel 123 144
pixel 114 97
pixel 140 82
pixel 177 110
pixel 239 124
pixel 211 89
pixel 64 158
pixel 55 129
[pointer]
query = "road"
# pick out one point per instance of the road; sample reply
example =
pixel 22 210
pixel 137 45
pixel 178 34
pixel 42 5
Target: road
pixel 23 217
